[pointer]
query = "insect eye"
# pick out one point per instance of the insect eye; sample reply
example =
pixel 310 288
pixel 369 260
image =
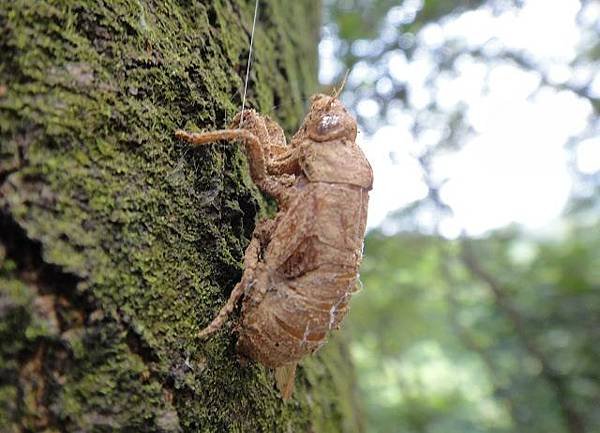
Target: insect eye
pixel 327 123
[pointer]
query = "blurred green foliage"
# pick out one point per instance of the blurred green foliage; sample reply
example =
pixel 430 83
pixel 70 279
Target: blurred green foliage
pixel 360 19
pixel 495 334
pixel 498 334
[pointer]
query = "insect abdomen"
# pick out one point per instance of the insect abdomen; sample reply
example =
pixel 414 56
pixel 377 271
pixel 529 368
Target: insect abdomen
pixel 310 283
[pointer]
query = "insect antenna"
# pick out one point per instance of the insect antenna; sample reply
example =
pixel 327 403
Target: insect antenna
pixel 336 91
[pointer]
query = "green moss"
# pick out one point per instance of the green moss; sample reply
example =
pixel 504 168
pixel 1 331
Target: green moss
pixel 153 232
pixel 15 301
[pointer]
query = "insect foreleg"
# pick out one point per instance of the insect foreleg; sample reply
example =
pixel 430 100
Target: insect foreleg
pixel 254 151
pixel 253 147
pixel 285 163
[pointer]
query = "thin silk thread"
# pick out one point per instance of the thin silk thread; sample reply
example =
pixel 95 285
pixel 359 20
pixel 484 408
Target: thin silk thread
pixel 248 65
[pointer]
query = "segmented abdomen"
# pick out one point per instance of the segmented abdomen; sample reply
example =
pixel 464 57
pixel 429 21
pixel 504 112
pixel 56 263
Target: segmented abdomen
pixel 311 270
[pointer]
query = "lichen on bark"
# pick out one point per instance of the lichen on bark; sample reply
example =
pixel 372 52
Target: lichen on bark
pixel 118 243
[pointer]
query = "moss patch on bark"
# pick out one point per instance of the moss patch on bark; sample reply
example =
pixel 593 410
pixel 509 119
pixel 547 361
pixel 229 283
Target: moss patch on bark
pixel 118 243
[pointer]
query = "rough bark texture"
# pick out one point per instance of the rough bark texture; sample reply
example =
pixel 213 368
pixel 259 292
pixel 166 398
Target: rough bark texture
pixel 118 243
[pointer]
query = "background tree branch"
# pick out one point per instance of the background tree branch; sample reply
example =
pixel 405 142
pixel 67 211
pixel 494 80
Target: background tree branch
pixel 572 418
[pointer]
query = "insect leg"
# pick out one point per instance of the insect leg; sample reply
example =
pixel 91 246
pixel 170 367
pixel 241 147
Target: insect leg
pixel 254 151
pixel 285 163
pixel 227 309
pixel 276 134
pixel 252 145
pixel 268 132
pixel 250 261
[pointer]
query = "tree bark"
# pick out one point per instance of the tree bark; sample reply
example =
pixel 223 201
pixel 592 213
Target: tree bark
pixel 119 243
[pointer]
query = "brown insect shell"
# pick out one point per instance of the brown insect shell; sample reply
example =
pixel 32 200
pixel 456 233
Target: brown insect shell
pixel 310 264
pixel 329 150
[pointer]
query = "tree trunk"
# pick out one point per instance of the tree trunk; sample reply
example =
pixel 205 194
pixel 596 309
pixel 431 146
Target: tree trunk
pixel 119 243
